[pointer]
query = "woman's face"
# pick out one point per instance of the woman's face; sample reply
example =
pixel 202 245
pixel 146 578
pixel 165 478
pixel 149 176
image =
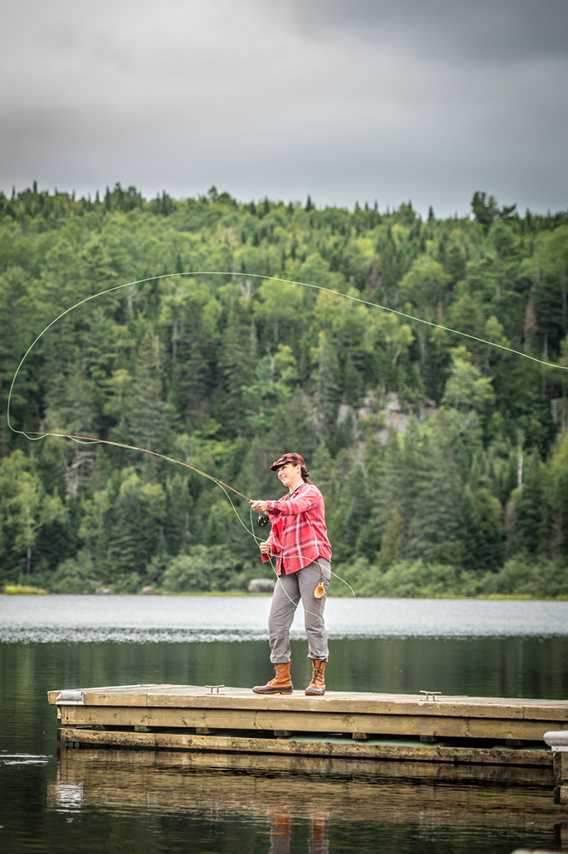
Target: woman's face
pixel 288 474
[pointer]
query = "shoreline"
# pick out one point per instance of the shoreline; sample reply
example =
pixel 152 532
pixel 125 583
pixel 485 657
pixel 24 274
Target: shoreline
pixel 16 590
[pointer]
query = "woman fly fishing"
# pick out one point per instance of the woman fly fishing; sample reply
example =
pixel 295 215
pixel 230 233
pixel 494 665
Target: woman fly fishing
pixel 299 542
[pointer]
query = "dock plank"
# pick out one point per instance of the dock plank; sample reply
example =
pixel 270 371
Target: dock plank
pixel 335 766
pixel 327 747
pixel 301 721
pixel 162 713
pixel 230 698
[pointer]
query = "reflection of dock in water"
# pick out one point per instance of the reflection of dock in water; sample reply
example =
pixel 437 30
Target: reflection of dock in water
pixel 357 735
pixel 170 782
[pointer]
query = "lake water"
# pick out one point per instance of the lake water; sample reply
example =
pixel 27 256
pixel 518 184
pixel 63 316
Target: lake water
pixel 114 801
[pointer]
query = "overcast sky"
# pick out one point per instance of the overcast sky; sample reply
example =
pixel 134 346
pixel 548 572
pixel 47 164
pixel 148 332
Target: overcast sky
pixel 346 100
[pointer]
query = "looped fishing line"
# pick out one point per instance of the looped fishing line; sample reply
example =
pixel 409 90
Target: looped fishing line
pixel 82 439
pixel 310 285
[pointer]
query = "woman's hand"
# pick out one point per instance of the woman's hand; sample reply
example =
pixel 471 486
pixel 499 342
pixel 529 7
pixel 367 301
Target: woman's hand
pixel 264 548
pixel 259 506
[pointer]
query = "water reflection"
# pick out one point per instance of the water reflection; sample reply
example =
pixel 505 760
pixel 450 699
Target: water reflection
pixel 302 811
pixel 280 830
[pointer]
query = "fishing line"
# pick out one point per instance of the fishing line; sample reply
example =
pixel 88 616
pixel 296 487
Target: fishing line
pixel 83 439
pixel 95 440
pixel 309 285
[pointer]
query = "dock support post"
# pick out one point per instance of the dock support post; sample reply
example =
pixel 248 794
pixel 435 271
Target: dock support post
pixel 558 742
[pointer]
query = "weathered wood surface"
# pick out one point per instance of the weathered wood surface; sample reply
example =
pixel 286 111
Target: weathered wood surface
pixel 163 781
pixel 301 721
pixel 335 757
pixel 560 773
pixel 344 702
pixel 333 747
pixel 133 715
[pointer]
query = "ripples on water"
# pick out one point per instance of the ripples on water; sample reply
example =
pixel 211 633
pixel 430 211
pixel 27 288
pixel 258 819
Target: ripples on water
pixel 22 759
pixel 187 619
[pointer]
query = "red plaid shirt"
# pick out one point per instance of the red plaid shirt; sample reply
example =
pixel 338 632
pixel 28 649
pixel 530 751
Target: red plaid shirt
pixel 299 534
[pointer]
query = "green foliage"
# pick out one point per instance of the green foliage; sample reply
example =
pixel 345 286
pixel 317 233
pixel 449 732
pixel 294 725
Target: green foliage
pixel 202 568
pixel 466 388
pixel 75 575
pixel 22 590
pixel 444 462
pixel 484 208
pixel 519 577
pixel 26 511
pixel 522 577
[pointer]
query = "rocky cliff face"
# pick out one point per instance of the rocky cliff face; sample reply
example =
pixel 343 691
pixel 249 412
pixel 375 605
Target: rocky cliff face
pixel 387 413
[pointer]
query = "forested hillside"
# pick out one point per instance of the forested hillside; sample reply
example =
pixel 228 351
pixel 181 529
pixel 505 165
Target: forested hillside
pixel 444 462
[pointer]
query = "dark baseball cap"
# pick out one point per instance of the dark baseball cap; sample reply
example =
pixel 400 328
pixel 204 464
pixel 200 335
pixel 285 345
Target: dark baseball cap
pixel 294 458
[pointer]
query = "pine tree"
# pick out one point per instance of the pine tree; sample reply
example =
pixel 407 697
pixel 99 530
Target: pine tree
pixel 143 417
pixel 135 527
pixel 236 364
pixel 528 509
pixel 484 532
pixel 327 387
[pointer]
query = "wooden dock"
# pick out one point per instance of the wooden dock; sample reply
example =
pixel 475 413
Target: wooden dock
pixel 371 735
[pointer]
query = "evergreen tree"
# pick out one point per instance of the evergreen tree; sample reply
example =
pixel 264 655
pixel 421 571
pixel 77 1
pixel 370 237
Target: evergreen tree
pixel 529 530
pixel 328 385
pixel 484 208
pixel 236 364
pixel 139 400
pixel 484 532
pixel 122 528
pixel 26 510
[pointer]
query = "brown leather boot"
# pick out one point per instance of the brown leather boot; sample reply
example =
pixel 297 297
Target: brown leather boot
pixel 281 684
pixel 316 688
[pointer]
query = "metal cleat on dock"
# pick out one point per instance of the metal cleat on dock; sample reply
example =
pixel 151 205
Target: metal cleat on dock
pixel 431 696
pixel 214 689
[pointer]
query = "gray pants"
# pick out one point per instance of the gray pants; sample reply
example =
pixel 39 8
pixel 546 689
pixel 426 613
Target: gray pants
pixel 287 594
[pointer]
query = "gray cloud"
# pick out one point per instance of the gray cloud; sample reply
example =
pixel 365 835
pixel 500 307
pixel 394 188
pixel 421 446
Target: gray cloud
pixel 343 100
pixel 486 30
